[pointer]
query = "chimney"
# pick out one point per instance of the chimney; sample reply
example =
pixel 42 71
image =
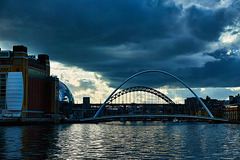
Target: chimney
pixel 43 59
pixel 20 48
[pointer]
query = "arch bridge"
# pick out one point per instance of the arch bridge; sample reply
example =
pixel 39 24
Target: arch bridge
pixel 114 96
pixel 142 89
pixel 158 71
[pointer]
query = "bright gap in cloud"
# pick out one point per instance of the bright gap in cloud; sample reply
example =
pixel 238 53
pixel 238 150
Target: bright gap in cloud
pixel 90 84
pixel 231 33
pixel 228 37
pixel 81 83
pixel 180 94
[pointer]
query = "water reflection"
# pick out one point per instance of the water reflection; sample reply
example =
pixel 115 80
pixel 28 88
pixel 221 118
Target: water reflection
pixel 12 142
pixel 140 140
pixel 26 141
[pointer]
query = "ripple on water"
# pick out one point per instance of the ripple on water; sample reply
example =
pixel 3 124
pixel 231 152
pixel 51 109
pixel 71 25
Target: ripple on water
pixel 149 140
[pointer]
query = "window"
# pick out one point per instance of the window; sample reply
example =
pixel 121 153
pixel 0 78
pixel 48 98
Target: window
pixel 17 62
pixel 3 75
pixel 9 63
pixel 3 87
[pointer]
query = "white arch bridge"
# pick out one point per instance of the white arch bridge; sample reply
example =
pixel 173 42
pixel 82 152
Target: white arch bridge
pixel 98 118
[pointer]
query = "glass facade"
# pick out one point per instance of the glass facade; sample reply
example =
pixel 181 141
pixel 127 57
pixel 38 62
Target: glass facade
pixel 3 81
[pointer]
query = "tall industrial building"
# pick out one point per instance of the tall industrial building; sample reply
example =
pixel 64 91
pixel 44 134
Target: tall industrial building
pixel 27 89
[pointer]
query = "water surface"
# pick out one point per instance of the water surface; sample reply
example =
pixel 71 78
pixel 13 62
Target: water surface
pixel 116 140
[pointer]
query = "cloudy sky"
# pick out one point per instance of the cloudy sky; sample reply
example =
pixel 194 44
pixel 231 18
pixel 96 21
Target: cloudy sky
pixel 94 45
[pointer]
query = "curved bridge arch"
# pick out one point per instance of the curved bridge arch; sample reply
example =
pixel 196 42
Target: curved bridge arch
pixel 160 71
pixel 140 88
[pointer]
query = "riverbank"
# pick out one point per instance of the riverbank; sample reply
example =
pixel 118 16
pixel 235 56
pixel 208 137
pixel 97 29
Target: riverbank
pixel 39 121
pixel 25 121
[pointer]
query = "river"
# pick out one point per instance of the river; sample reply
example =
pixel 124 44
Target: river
pixel 117 140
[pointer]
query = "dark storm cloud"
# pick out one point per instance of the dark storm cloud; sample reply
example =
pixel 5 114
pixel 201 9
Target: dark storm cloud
pixel 208 24
pixel 224 72
pixel 119 38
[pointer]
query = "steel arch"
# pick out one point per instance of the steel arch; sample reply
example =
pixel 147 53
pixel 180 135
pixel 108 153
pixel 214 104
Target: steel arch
pixel 140 88
pixel 159 71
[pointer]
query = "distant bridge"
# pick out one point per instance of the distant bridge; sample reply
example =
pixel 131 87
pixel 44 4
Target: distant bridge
pixel 141 112
pixel 143 89
pixel 112 96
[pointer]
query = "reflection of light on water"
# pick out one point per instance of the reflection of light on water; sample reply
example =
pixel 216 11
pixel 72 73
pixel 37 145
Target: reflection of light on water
pixel 144 140
pixel 232 139
pixel 13 142
pixel 80 141
pixel 118 140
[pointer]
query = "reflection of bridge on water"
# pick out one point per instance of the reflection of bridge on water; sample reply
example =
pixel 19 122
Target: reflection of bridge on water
pixel 112 111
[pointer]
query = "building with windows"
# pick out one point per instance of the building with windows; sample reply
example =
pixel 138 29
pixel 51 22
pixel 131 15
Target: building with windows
pixel 27 89
pixel 215 106
pixel 232 108
pixel 232 112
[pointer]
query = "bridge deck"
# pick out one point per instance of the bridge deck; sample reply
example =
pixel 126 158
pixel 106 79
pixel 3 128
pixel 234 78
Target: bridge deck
pixel 107 118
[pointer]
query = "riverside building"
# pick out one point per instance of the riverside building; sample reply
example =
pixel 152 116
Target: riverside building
pixel 27 89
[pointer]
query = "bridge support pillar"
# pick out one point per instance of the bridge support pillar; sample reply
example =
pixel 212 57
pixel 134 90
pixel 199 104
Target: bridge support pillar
pixel 124 109
pixel 143 110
